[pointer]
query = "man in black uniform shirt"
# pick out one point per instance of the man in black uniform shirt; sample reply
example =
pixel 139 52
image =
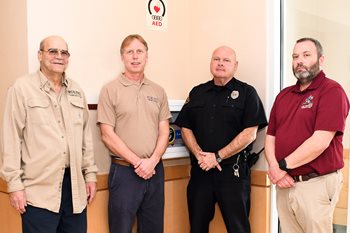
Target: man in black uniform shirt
pixel 219 122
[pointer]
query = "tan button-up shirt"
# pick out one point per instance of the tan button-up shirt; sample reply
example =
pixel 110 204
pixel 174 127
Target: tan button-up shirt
pixel 41 131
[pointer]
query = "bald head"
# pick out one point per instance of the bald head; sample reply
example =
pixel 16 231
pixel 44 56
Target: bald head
pixel 50 39
pixel 225 49
pixel 223 64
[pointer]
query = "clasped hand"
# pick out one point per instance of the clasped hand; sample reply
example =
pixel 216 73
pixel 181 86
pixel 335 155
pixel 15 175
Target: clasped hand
pixel 145 168
pixel 281 178
pixel 207 161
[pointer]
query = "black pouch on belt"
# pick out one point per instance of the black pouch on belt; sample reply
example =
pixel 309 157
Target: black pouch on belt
pixel 252 158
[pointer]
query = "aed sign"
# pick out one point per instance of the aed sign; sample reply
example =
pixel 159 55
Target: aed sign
pixel 157 15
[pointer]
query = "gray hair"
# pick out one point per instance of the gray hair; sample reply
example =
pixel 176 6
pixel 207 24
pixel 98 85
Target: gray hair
pixel 316 43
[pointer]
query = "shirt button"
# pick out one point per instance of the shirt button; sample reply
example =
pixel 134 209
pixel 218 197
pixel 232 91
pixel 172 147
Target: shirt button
pixel 59 122
pixel 214 105
pixel 212 118
pixel 62 136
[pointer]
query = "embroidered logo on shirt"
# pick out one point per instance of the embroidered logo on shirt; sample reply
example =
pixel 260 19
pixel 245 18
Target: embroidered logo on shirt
pixel 74 93
pixel 234 94
pixel 153 99
pixel 308 102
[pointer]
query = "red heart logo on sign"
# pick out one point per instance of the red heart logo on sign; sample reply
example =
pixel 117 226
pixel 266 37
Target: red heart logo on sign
pixel 156 8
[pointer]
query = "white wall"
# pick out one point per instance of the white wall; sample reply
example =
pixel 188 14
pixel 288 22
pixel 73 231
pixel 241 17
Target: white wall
pixel 94 31
pixel 178 57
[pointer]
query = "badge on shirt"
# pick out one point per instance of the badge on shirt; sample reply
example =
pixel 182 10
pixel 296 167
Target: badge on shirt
pixel 152 98
pixel 308 102
pixel 234 94
pixel 74 93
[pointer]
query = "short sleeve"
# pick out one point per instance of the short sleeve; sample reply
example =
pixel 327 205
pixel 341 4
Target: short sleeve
pixel 333 108
pixel 164 108
pixel 271 129
pixel 254 113
pixel 182 119
pixel 105 109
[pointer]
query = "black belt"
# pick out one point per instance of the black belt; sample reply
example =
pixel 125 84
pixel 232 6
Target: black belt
pixel 307 177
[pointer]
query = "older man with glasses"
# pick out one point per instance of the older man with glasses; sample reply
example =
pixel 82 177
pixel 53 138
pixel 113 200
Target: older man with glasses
pixel 47 153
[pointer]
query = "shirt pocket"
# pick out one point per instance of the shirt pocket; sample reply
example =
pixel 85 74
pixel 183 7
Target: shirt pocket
pixel 77 111
pixel 39 111
pixel 196 109
pixel 233 111
pixel 196 105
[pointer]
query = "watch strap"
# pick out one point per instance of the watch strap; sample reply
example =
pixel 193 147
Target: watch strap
pixel 217 157
pixel 283 165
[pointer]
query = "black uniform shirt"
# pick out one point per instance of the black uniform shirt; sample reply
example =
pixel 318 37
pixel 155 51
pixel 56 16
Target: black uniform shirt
pixel 217 114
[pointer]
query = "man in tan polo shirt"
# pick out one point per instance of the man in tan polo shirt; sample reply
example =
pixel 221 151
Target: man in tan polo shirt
pixel 47 153
pixel 133 115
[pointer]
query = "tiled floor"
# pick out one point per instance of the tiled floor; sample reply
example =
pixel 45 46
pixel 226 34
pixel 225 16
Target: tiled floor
pixel 339 229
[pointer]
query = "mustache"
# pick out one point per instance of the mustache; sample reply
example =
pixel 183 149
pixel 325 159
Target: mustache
pixel 301 66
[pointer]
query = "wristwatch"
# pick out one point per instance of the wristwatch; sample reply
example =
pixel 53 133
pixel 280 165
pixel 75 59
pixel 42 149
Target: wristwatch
pixel 217 157
pixel 283 165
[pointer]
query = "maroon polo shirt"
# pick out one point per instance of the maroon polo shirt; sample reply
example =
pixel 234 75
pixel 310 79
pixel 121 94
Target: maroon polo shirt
pixel 296 115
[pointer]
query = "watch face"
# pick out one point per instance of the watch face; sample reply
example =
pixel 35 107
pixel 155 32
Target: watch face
pixel 218 158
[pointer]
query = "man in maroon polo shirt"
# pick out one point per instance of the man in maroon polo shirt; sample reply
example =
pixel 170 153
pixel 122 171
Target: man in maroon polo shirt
pixel 303 144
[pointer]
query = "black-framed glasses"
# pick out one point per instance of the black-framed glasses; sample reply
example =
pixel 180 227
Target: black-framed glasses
pixel 55 52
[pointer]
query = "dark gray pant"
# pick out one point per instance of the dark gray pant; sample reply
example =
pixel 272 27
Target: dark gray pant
pixel 131 196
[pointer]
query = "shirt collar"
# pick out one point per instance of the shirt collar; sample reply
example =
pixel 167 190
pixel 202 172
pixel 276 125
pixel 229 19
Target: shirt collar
pixel 230 85
pixel 46 85
pixel 128 82
pixel 315 83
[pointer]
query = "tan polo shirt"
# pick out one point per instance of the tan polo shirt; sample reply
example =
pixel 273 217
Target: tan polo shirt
pixel 39 130
pixel 134 110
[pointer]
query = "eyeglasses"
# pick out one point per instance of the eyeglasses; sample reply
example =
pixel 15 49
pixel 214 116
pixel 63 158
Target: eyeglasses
pixel 55 52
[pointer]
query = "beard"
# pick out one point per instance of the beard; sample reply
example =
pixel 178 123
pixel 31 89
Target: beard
pixel 306 76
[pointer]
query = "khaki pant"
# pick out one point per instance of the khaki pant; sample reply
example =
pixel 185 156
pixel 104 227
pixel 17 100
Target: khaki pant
pixel 308 207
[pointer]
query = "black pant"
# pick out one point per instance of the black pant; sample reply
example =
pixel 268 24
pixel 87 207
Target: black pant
pixel 131 196
pixel 38 220
pixel 230 192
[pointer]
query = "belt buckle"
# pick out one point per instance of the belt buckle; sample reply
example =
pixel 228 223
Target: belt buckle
pixel 300 178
